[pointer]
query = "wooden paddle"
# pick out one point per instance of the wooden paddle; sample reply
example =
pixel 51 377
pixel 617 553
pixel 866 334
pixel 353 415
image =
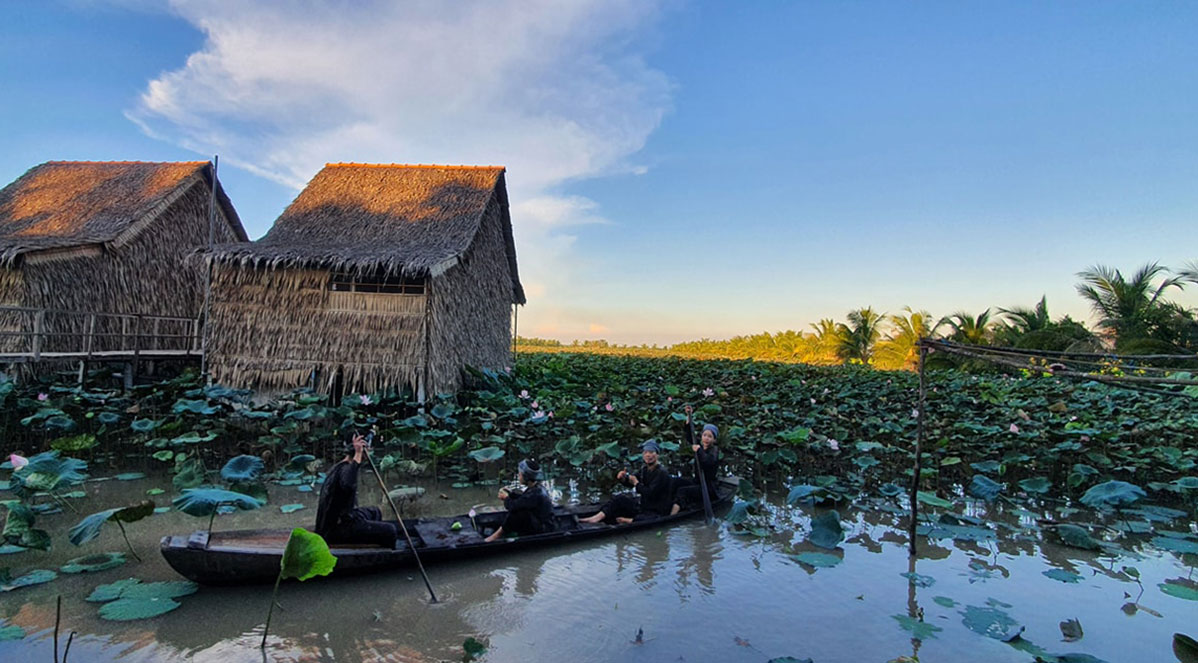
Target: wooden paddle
pixel 699 472
pixel 402 527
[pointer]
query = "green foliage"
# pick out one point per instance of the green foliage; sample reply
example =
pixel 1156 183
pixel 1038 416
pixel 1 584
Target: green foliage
pixel 242 468
pixel 89 528
pixel 1112 494
pixel 306 556
pixel 205 501
pixel 826 530
pixel 127 600
pixel 94 562
pixel 486 454
pixel 18 527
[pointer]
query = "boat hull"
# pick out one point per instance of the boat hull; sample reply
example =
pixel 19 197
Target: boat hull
pixel 254 556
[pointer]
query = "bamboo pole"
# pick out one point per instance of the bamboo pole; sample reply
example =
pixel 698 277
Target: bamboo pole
pixel 208 281
pixel 402 527
pixel 919 435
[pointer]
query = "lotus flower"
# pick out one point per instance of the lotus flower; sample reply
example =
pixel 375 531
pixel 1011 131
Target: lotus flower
pixel 915 413
pixel 523 393
pixel 833 445
pixel 550 415
pixel 813 401
pixel 669 399
pixel 365 400
pixel 1014 428
pixel 18 461
pixel 709 392
pixel 609 407
pixel 535 405
pixel 43 397
pixel 472 512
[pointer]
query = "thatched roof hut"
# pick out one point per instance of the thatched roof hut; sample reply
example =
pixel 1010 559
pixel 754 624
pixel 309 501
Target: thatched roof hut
pixel 380 276
pixel 106 237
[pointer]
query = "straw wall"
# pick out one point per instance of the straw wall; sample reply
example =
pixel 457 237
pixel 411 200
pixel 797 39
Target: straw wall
pixel 271 328
pixel 146 274
pixel 472 305
pixel 12 293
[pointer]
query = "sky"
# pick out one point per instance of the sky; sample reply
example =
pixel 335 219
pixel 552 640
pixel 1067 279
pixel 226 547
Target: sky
pixel 676 169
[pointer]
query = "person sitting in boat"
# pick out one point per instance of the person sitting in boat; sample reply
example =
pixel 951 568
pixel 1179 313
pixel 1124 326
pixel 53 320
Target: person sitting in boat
pixel 339 519
pixel 688 494
pixel 652 485
pixel 529 511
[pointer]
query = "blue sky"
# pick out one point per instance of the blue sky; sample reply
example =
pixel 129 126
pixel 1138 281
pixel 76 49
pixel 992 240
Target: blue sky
pixel 677 169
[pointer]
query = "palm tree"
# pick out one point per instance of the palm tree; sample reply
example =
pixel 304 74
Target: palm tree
pixel 1024 320
pixel 900 348
pixel 969 329
pixel 856 340
pixel 1189 274
pixel 827 340
pixel 1127 308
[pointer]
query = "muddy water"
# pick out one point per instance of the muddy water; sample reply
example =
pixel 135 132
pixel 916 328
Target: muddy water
pixel 696 593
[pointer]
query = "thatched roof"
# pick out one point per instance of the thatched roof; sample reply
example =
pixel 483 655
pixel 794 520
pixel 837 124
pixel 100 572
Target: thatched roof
pixel 401 219
pixel 66 204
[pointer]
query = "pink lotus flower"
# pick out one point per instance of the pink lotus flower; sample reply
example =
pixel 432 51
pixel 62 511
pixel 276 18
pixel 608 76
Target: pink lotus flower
pixel 535 405
pixel 813 401
pixel 1085 438
pixel 523 393
pixel 669 399
pixel 365 400
pixel 1014 428
pixel 833 445
pixel 709 392
pixel 472 513
pixel 18 461
pixel 915 413
pixel 507 369
pixel 550 415
pixel 43 397
pixel 609 407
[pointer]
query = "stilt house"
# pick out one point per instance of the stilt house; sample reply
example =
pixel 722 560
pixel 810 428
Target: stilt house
pixel 78 238
pixel 375 277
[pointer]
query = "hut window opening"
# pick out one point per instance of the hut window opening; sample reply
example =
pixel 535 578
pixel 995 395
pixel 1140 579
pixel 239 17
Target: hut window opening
pixel 377 284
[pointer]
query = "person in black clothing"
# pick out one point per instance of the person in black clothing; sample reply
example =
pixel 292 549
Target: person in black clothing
pixel 530 512
pixel 652 485
pixel 339 519
pixel 688 493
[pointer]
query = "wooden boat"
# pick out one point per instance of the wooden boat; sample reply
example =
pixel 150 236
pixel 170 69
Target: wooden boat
pixel 253 556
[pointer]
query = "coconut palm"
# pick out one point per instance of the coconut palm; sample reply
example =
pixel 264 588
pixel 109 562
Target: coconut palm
pixel 967 328
pixel 856 340
pixel 1128 308
pixel 900 348
pixel 1023 320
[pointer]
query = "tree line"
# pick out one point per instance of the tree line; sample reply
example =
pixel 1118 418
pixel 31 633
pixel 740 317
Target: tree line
pixel 1132 313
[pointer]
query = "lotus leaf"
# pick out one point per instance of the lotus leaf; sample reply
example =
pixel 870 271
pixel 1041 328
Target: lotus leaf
pixel 932 500
pixel 36 577
pixel 919 580
pixel 111 591
pixel 1175 544
pixel 108 418
pixel 739 511
pixel 291 508
pixel 242 468
pixel 94 562
pixel 945 601
pixel 1186 483
pixel 1071 630
pixel 987 467
pixel 166 455
pixel 1062 575
pixel 984 487
pixel 890 490
pixel 804 492
pixel 18 527
pixel 144 425
pixel 1112 494
pixel 1185 648
pixel 189 475
pixel 306 556
pixel 194 437
pixel 1182 589
pixel 992 623
pixel 1036 485
pixel 130 476
pixel 89 528
pixel 486 454
pixel 612 449
pixel 80 442
pixel 826 530
pixel 818 560
pixel 11 632
pixel 205 501
pixel 919 629
pixel 47 472
pixel 196 407
pixel 1072 535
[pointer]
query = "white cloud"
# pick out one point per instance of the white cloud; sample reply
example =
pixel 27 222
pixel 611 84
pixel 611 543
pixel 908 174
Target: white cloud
pixel 553 90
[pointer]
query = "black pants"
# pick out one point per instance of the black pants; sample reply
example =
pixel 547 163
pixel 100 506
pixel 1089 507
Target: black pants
pixel 625 505
pixel 365 526
pixel 690 494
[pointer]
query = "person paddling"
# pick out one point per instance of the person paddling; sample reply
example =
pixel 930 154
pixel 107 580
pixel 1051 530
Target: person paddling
pixel 652 486
pixel 339 519
pixel 530 512
pixel 689 493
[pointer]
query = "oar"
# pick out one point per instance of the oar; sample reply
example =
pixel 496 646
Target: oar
pixel 703 487
pixel 403 527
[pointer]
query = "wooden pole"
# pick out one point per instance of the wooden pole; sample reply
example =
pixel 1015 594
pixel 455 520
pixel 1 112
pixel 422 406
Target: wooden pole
pixel 402 527
pixel 39 322
pixel 208 280
pixel 919 434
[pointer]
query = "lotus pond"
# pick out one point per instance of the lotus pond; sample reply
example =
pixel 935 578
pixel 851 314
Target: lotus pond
pixel 1056 521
